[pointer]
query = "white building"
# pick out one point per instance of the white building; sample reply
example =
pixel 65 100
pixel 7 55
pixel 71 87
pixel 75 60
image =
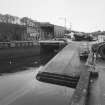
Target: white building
pixel 101 38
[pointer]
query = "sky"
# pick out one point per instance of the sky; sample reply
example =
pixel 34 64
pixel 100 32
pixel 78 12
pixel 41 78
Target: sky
pixel 80 15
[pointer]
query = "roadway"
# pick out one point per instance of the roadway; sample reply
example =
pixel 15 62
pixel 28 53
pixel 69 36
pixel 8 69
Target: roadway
pixel 97 86
pixel 96 94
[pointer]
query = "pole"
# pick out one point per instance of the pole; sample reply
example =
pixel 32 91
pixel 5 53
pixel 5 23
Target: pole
pixel 70 27
pixel 65 25
pixel 65 20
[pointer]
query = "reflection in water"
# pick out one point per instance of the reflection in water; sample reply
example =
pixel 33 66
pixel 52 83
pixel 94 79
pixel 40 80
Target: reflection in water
pixel 17 64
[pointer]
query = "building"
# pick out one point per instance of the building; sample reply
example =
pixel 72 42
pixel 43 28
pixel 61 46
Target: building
pixel 101 38
pixel 59 31
pixel 30 29
pixel 52 31
pixel 31 33
pixel 47 31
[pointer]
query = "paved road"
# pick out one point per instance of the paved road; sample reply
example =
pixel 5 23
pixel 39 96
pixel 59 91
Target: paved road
pixel 97 88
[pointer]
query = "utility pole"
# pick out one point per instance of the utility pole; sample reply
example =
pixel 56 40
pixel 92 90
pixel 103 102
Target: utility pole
pixel 65 24
pixel 65 20
pixel 70 26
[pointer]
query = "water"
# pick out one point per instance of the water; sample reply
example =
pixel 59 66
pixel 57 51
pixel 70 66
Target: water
pixel 20 64
pixel 16 81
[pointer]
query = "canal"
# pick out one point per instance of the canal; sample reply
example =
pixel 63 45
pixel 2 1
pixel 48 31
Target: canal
pixel 24 63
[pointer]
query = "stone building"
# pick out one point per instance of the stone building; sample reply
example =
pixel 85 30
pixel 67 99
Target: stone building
pixel 47 31
pixel 59 31
pixel 32 29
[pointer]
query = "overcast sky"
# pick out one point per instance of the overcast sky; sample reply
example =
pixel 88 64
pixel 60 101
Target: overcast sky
pixel 84 15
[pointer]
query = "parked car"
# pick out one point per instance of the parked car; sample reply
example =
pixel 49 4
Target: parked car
pixel 84 51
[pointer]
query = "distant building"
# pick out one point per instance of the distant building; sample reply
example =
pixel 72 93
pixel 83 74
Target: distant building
pixel 47 30
pixel 31 33
pixel 59 31
pixel 52 31
pixel 30 29
pixel 101 38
